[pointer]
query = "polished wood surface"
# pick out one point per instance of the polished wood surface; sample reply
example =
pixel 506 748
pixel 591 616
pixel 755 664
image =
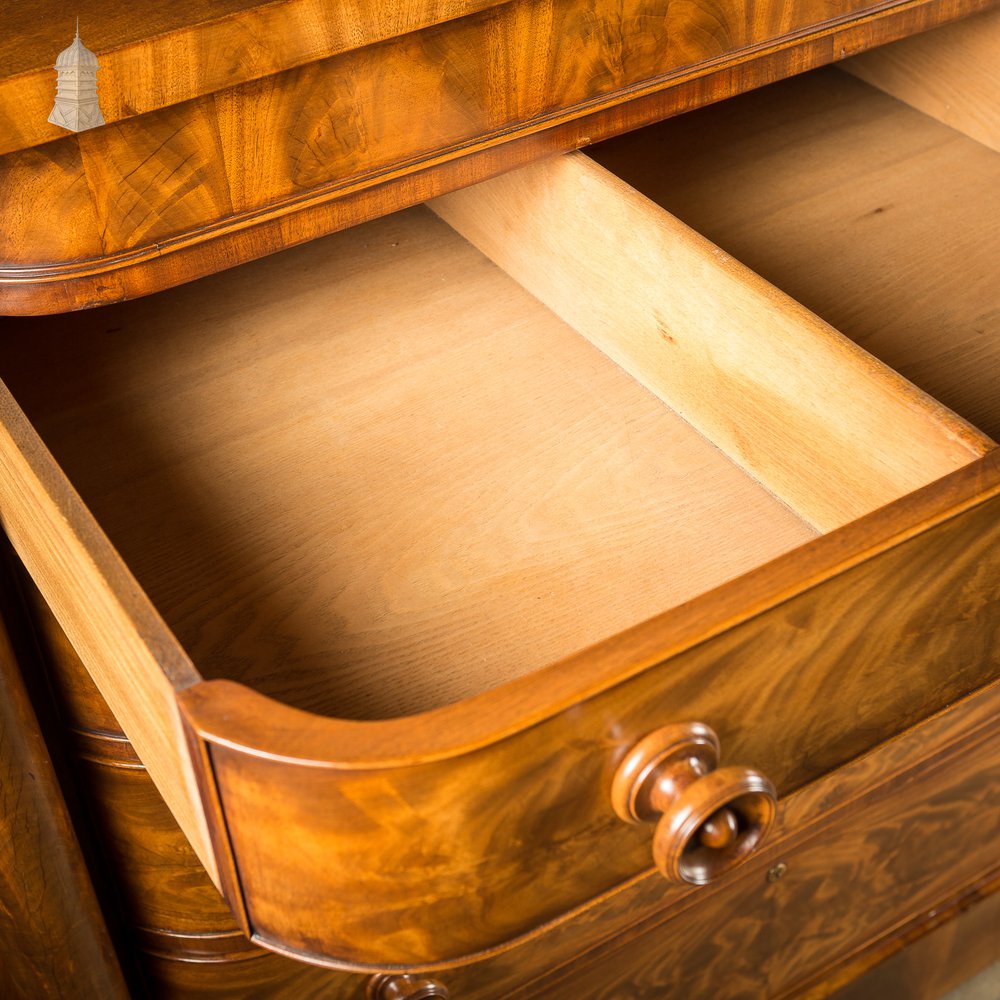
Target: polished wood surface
pixel 801 665
pixel 53 939
pixel 875 216
pixel 262 977
pixel 873 777
pixel 151 201
pixel 708 820
pixel 920 827
pixel 390 987
pixel 152 55
pixel 175 925
pixel 728 351
pixel 937 954
pixel 510 745
pixel 952 75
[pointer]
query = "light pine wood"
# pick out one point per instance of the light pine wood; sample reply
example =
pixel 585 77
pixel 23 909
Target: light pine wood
pixel 133 659
pixel 877 217
pixel 952 74
pixel 374 475
pixel 822 424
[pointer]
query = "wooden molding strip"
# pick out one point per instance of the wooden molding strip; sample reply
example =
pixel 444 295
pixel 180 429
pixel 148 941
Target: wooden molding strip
pixel 205 947
pixel 106 749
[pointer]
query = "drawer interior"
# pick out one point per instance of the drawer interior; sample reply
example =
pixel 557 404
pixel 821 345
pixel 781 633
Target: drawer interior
pixel 879 218
pixel 374 474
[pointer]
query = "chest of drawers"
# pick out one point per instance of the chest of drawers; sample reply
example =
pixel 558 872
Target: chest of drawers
pixel 426 568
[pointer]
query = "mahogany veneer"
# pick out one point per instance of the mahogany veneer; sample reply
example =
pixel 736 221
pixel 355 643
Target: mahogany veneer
pixel 410 570
pixel 253 129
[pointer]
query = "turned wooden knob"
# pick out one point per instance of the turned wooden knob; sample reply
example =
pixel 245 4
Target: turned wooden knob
pixel 389 987
pixel 709 819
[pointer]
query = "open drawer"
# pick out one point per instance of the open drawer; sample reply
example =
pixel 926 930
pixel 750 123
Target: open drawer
pixel 385 568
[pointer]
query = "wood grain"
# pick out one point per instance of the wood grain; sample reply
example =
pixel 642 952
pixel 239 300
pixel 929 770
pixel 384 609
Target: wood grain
pixel 300 165
pixel 263 977
pixel 177 927
pixel 952 75
pixel 937 954
pixel 107 618
pixel 893 851
pixel 155 55
pixel 896 768
pixel 915 619
pixel 876 217
pixel 53 938
pixel 906 596
pixel 731 354
pixel 439 485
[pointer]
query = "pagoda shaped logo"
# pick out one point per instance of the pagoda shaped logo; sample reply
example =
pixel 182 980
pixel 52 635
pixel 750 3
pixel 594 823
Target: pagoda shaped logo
pixel 76 106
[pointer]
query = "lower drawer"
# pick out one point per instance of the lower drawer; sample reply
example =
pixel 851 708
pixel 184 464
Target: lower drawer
pixel 386 571
pixel 875 848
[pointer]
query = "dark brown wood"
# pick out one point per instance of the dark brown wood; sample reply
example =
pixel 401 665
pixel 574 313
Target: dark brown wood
pixel 936 953
pixel 708 820
pixel 921 826
pixel 177 925
pixel 53 938
pixel 262 977
pixel 152 201
pixel 389 987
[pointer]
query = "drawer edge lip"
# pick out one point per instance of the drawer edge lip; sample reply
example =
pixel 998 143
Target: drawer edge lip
pixel 39 288
pixel 227 713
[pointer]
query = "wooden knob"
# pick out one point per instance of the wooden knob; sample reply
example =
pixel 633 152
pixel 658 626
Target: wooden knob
pixel 389 987
pixel 709 819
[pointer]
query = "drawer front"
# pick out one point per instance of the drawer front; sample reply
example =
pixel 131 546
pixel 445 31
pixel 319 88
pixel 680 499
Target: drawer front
pixel 176 924
pixel 881 842
pixel 427 841
pixel 480 847
pixel 893 849
pixel 188 189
